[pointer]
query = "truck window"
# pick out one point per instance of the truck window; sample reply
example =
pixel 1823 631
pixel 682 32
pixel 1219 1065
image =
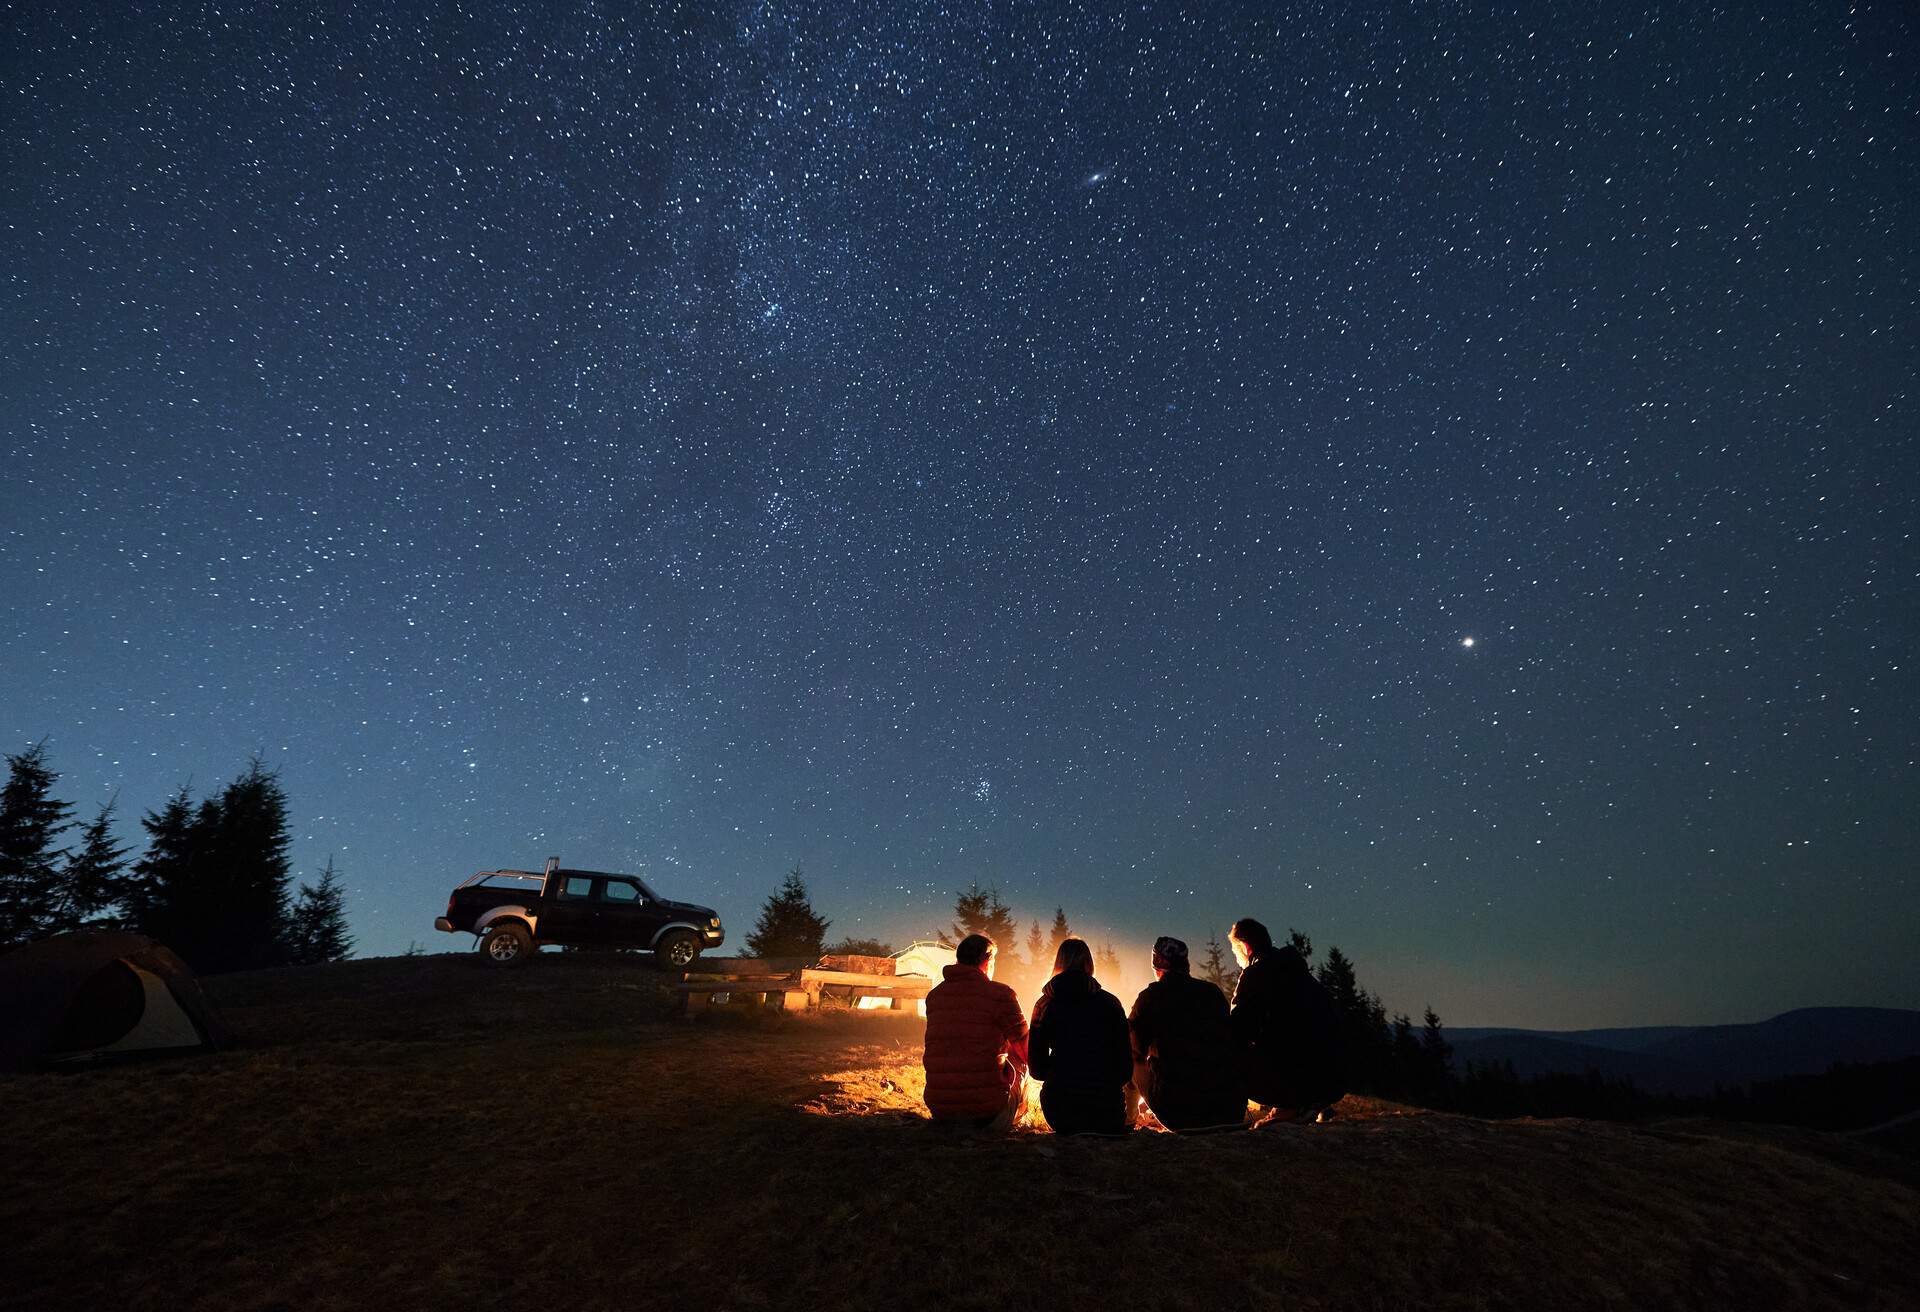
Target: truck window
pixel 619 890
pixel 576 889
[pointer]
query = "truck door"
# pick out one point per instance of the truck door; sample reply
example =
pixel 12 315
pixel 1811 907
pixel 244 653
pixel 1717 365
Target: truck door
pixel 626 921
pixel 568 915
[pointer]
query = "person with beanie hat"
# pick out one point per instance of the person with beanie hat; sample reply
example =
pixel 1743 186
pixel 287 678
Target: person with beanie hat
pixel 1183 1053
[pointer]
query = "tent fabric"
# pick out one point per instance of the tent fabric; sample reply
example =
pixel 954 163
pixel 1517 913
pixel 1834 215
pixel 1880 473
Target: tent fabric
pixel 100 994
pixel 923 957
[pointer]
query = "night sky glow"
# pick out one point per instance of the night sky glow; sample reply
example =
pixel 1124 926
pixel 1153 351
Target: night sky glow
pixel 1444 481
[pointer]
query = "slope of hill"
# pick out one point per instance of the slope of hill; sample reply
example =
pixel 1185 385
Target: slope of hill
pixel 427 1133
pixel 1696 1059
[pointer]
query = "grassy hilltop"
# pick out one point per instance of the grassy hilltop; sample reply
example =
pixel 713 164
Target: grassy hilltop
pixel 425 1132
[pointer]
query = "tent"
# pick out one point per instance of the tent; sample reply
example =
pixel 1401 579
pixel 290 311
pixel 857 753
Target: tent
pixel 923 957
pixel 100 995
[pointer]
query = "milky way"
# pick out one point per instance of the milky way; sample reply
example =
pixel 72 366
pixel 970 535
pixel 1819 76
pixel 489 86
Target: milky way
pixel 1445 482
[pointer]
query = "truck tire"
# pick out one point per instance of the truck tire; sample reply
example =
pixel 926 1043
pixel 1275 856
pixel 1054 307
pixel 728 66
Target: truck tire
pixel 677 950
pixel 506 943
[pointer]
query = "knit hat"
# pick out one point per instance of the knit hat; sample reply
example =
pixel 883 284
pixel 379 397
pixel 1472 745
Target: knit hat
pixel 1169 954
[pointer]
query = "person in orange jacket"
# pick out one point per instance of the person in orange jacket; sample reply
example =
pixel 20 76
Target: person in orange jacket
pixel 976 1049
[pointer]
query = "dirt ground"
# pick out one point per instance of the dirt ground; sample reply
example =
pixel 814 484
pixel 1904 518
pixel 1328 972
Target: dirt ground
pixel 428 1133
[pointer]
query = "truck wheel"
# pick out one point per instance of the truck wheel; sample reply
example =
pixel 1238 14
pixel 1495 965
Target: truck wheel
pixel 677 950
pixel 507 943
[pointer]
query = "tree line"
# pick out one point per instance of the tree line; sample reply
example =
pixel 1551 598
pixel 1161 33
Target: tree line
pixel 213 882
pixel 1388 1056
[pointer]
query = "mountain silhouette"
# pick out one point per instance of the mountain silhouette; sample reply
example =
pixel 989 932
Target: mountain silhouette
pixel 1696 1059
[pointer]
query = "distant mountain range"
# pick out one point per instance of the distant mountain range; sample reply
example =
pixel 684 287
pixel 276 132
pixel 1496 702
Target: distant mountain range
pixel 1692 1059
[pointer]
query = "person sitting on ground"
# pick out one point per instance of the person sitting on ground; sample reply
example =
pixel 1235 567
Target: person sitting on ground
pixel 976 1048
pixel 1183 1051
pixel 1078 1049
pixel 1285 1026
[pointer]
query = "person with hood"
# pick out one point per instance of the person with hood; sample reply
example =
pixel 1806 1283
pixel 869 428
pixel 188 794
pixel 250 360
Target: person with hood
pixel 1078 1049
pixel 976 1046
pixel 1285 1026
pixel 1185 1065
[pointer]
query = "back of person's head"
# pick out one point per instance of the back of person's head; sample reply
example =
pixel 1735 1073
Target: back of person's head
pixel 1073 954
pixel 1253 934
pixel 974 950
pixel 1170 955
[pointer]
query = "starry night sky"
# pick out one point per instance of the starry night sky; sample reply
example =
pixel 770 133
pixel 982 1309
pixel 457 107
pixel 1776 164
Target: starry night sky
pixel 1063 447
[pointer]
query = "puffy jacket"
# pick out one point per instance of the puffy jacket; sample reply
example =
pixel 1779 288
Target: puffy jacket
pixel 1288 1033
pixel 1186 1066
pixel 1078 1048
pixel 976 1044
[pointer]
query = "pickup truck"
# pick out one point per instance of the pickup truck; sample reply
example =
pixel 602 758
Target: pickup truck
pixel 515 912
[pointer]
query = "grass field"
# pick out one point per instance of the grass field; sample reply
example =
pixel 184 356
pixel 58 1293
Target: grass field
pixel 426 1132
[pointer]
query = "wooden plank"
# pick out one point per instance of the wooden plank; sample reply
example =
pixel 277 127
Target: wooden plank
pixel 814 975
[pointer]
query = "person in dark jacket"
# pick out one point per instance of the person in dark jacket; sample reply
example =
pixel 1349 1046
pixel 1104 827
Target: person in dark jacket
pixel 1078 1049
pixel 976 1048
pixel 1285 1027
pixel 1183 1051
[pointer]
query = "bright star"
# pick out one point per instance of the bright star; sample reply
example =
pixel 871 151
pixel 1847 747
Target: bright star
pixel 1467 641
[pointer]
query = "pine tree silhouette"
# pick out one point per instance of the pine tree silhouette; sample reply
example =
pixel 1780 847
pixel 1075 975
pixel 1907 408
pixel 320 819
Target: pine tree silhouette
pixel 788 926
pixel 95 881
pixel 1214 968
pixel 222 877
pixel 969 913
pixel 163 872
pixel 30 821
pixel 979 911
pixel 317 925
pixel 1061 930
pixel 1037 948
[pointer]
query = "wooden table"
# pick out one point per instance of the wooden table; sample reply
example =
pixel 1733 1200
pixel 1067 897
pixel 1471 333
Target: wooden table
pixel 801 989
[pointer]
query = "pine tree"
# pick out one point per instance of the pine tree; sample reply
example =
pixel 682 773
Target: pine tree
pixel 317 925
pixel 250 851
pixel 788 926
pixel 223 886
pixel 1037 948
pixel 30 821
pixel 969 913
pixel 1436 1056
pixel 1106 963
pixel 161 875
pixel 979 911
pixel 1408 1068
pixel 1061 931
pixel 1337 977
pixel 95 881
pixel 1214 968
pixel 1300 943
pixel 1002 928
pixel 1363 1022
